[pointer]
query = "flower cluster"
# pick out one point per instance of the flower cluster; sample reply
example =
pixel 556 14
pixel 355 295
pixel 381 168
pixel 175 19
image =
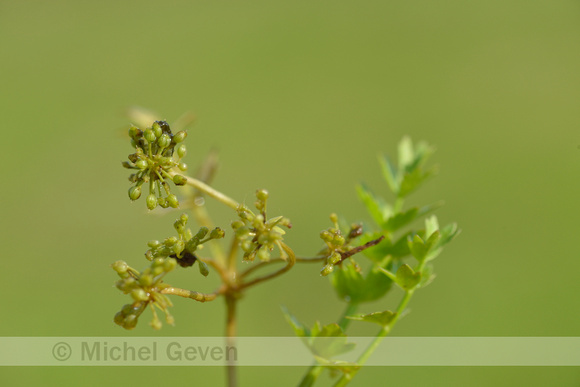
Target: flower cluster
pixel 259 236
pixel 337 246
pixel 156 153
pixel 183 247
pixel 146 290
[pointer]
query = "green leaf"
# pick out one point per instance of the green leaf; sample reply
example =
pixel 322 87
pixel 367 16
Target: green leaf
pixel 376 207
pixel 431 225
pixel 351 286
pixel 413 179
pixel 405 152
pixel 299 329
pixel 447 234
pixel 377 253
pixel 427 275
pixel 381 318
pixel 400 219
pixel 421 249
pixel 407 278
pixel 390 173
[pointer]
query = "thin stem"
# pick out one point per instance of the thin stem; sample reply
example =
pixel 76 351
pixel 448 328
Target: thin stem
pixel 314 371
pixel 231 328
pixel 198 184
pixel 197 296
pixel 291 260
pixel 346 378
pixel 277 260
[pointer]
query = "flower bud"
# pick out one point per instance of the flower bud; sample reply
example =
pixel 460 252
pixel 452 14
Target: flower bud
pixel 164 140
pixel 134 192
pixel 156 324
pixel 178 247
pixel 184 218
pixel 262 195
pixel 334 218
pixel 169 264
pixel 338 240
pixel 181 150
pixel 141 164
pixel 201 233
pixel 334 258
pixel 162 202
pixel 135 133
pixel 203 269
pixel 326 236
pixel 120 267
pixel 182 166
pixel 217 233
pixel 154 244
pixel 127 164
pixel 263 254
pixel 326 270
pixel 150 136
pixel 139 295
pixel 179 180
pixel 151 201
pixel 179 136
pixel 146 280
pixel 157 129
pixel 170 241
pixel 172 201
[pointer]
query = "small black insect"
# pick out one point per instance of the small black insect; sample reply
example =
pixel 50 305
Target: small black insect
pixel 186 260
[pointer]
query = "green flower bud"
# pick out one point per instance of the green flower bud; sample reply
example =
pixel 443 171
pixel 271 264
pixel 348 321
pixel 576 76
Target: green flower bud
pixel 338 240
pixel 156 271
pixel 130 322
pixel 120 267
pixel 182 166
pixel 157 129
pixel 146 280
pixel 134 193
pixel 242 232
pixel 263 254
pixel 169 318
pixel 334 258
pixel 169 264
pixel 172 201
pixel 179 180
pixel 133 178
pixel 181 150
pixel 217 233
pixel 334 218
pixel 203 269
pixel 178 247
pixel 170 241
pixel 156 324
pixel 237 224
pixel 128 165
pixel 151 201
pixel 139 295
pixel 164 140
pixel 162 202
pixel 326 270
pixel 150 136
pixel 154 244
pixel 133 157
pixel 262 195
pixel 119 318
pixel 179 136
pixel 247 246
pixel 141 164
pixel 201 233
pixel 135 133
pixel 184 218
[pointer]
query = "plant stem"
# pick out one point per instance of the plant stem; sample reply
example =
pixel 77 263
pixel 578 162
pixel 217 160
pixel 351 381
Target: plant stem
pixel 314 371
pixel 197 296
pixel 346 378
pixel 198 184
pixel 231 322
pixel 290 261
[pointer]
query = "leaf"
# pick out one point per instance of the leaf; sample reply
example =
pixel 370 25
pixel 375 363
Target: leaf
pixel 390 173
pixel 422 250
pixel 351 286
pixel 405 152
pixel 376 208
pixel 299 329
pixel 413 179
pixel 431 225
pixel 448 233
pixel 427 275
pixel 407 278
pixel 400 219
pixel 381 318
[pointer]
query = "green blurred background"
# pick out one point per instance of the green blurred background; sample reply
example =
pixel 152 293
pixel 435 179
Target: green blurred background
pixel 299 97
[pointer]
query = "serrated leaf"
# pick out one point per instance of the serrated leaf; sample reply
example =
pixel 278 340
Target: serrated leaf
pixel 299 329
pixel 405 152
pixel 382 318
pixel 376 208
pixel 413 179
pixel 390 173
pixel 407 278
pixel 351 286
pixel 400 219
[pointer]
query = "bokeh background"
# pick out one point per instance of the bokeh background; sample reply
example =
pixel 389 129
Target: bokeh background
pixel 298 97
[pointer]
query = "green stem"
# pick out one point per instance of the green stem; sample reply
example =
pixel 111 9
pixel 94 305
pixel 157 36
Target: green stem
pixel 198 184
pixel 314 371
pixel 346 378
